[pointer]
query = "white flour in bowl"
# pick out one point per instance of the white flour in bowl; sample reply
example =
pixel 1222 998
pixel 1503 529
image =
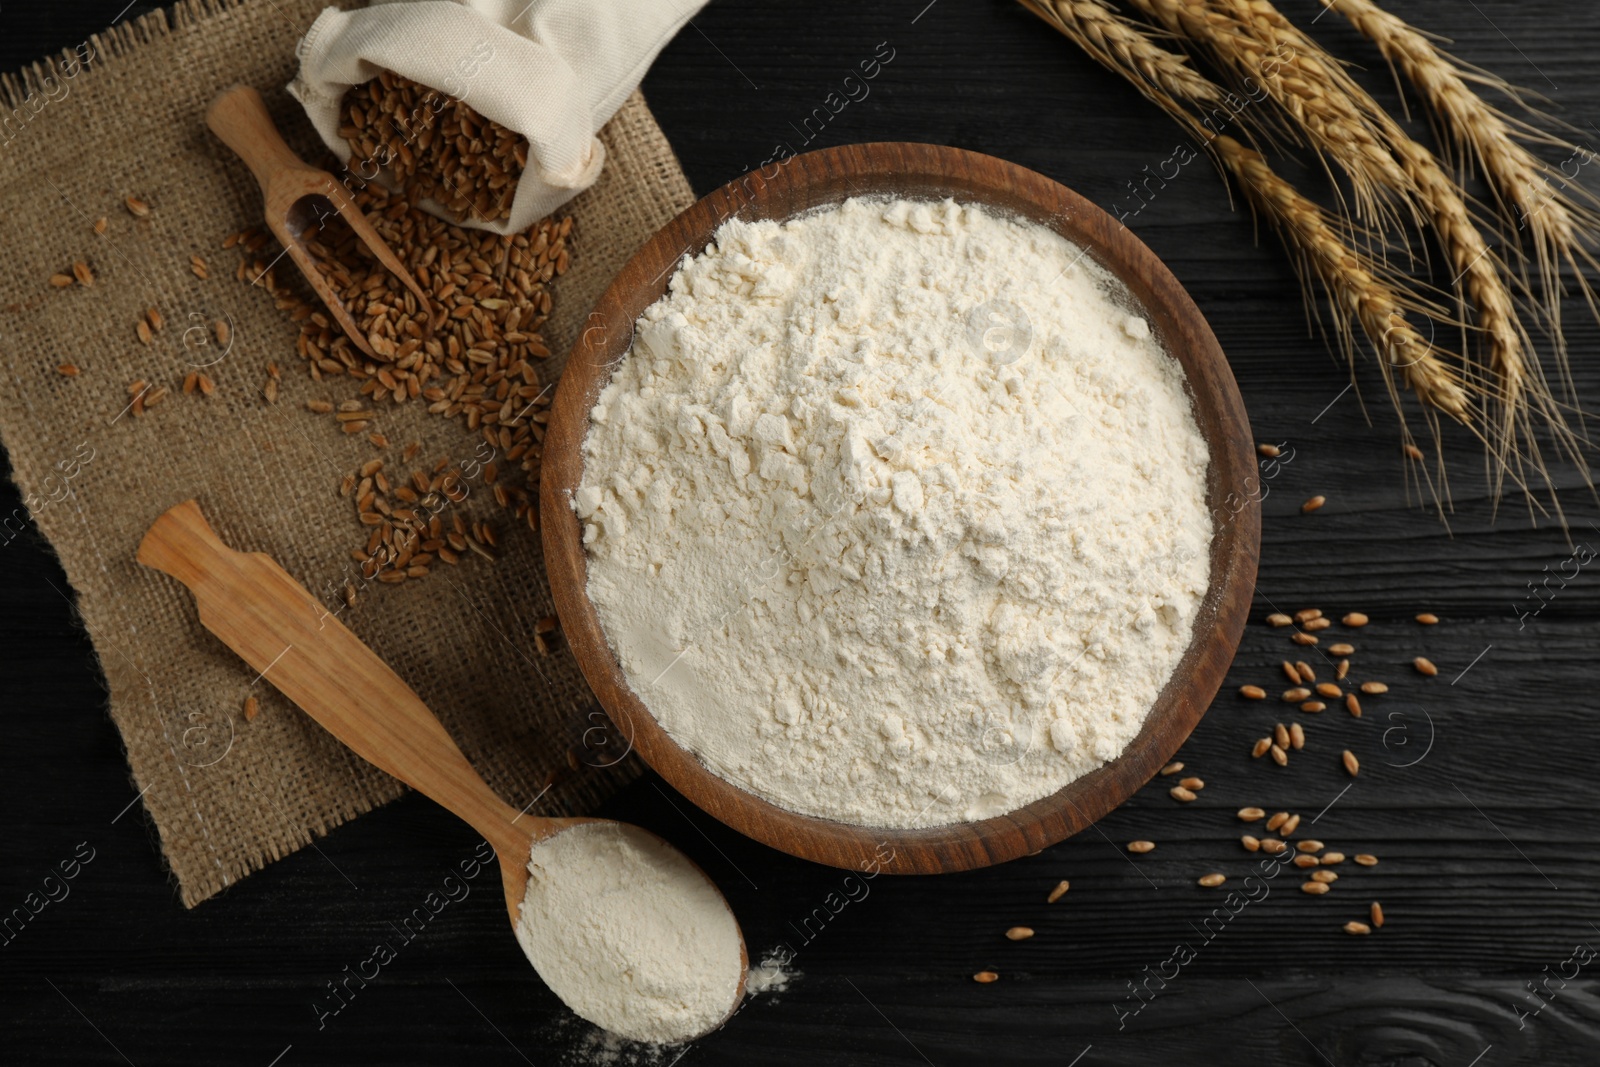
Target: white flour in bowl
pixel 896 513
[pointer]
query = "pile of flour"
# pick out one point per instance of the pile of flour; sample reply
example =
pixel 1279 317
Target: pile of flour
pixel 630 934
pixel 895 512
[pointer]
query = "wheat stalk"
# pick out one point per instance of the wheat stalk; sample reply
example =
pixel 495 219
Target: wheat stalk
pixel 1532 194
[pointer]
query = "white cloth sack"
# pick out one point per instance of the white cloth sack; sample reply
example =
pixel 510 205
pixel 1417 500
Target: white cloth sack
pixel 553 70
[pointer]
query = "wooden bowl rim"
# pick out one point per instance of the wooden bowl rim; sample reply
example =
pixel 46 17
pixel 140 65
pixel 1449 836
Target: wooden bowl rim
pixel 919 172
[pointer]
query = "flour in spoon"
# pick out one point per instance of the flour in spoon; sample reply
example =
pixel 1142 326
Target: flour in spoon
pixel 629 933
pixel 896 513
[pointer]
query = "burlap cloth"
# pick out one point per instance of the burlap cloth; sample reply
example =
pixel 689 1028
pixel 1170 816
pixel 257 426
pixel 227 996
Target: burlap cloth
pixel 228 795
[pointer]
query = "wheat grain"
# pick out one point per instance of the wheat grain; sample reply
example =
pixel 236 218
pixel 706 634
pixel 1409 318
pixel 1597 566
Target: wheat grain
pixel 434 146
pixel 490 294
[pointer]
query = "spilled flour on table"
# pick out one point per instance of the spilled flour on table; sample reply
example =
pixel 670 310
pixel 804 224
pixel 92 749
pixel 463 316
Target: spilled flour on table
pixel 772 975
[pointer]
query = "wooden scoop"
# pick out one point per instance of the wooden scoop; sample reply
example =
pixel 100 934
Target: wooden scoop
pixel 284 632
pixel 299 199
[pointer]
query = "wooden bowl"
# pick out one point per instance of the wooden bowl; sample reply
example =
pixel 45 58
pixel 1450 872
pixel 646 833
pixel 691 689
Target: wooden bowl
pixel 916 171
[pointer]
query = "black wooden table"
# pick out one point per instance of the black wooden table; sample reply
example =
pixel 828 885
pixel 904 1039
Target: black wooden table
pixel 1478 788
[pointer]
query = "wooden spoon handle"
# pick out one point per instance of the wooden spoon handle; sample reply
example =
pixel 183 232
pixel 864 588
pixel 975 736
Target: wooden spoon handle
pixel 239 116
pixel 281 630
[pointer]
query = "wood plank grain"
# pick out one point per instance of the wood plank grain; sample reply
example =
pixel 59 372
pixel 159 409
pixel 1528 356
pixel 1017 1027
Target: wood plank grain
pixel 1472 917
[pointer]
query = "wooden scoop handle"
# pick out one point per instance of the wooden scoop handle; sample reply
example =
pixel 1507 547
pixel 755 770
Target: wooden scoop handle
pixel 281 630
pixel 239 116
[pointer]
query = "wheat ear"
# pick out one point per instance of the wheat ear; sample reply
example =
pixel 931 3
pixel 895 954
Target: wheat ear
pixel 1478 276
pixel 1264 54
pixel 1480 279
pixel 1356 286
pixel 1122 46
pixel 1532 194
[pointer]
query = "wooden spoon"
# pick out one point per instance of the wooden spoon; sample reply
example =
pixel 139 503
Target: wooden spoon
pixel 281 630
pixel 299 199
